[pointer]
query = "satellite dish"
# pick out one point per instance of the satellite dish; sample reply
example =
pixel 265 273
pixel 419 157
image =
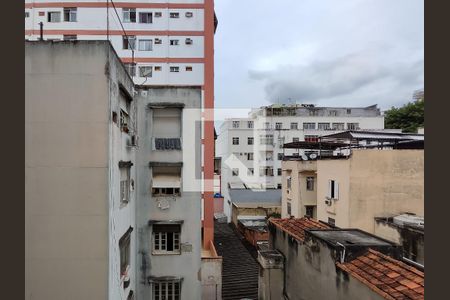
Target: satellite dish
pixel 304 157
pixel 313 156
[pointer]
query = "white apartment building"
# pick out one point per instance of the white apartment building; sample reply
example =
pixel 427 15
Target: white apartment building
pixel 167 40
pixel 251 148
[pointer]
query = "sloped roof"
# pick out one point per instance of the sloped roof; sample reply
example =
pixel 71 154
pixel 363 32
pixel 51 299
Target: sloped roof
pixel 297 226
pixel 390 278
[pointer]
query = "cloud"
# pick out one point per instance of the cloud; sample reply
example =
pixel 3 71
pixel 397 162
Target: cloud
pixel 340 77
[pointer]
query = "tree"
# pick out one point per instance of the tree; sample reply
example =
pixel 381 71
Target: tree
pixel 409 117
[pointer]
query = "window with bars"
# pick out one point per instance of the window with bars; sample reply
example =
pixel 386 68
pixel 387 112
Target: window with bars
pixel 278 125
pixel 250 141
pixel 235 124
pixel 129 15
pixel 145 45
pixel 129 42
pixel 166 239
pixel 70 14
pixel 235 141
pixel 166 192
pixel 250 124
pixel 54 16
pixel 166 290
pixel 145 17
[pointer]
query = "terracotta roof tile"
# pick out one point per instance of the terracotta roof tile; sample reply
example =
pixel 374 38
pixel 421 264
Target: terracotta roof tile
pixel 296 226
pixel 390 278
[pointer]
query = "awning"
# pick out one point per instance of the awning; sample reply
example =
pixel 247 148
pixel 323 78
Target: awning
pixel 166 181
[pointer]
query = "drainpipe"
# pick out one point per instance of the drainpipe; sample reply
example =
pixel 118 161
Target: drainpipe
pixel 41 30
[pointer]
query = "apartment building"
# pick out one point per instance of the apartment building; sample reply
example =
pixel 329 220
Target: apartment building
pixel 385 177
pixel 251 149
pixel 161 42
pixel 80 169
pixel 117 170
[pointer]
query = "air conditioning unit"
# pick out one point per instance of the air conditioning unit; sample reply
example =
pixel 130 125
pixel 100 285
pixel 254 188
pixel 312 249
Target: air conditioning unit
pixel 158 41
pixel 189 41
pixel 189 14
pixel 158 14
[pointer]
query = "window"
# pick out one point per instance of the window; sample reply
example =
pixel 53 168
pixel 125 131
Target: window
pixel 188 68
pixel 158 14
pixel 288 182
pixel 166 239
pixel 54 16
pixel 250 156
pixel 145 71
pixel 158 41
pixel 333 113
pixel 175 69
pixel 124 121
pixel 27 14
pixel 236 124
pixel 295 139
pixel 278 125
pixel 250 141
pixel 280 156
pixel 235 172
pixel 289 211
pixel 324 126
pixel 129 15
pixel 266 139
pixel 160 192
pixel 267 125
pixel 145 17
pixel 310 183
pixel 314 112
pixel 124 247
pixel 311 138
pixel 174 42
pixel 174 15
pixel 294 125
pixel 279 172
pixel 41 13
pixel 250 124
pixel 158 68
pixel 279 186
pixel 69 37
pixel 352 126
pixel 309 125
pixel 250 171
pixel 189 14
pixel 189 41
pixel 333 189
pixel 309 211
pixel 145 45
pixel 166 290
pixel 70 14
pixel 129 42
pixel 349 111
pixel 266 171
pixel 235 141
pixel 131 69
pixel 331 221
pixel 124 168
pixel 338 126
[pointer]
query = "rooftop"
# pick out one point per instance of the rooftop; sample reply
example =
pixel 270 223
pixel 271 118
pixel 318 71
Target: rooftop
pixel 388 277
pixel 269 196
pixel 297 226
pixel 349 237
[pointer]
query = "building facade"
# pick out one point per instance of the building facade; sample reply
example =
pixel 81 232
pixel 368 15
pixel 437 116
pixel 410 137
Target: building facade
pixel 251 149
pixel 80 233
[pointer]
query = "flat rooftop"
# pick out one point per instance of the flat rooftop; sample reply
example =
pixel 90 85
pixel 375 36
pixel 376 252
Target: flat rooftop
pixel 349 237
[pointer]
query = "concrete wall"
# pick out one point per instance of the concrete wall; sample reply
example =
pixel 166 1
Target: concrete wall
pixel 186 208
pixel 68 171
pixel 372 183
pixel 253 211
pixel 311 273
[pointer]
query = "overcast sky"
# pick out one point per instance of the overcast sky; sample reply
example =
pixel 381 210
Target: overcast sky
pixel 325 52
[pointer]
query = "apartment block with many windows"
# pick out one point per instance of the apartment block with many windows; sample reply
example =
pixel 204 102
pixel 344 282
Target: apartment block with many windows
pixel 251 149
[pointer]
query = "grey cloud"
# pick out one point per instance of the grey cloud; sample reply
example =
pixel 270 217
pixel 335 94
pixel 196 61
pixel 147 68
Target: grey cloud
pixel 342 76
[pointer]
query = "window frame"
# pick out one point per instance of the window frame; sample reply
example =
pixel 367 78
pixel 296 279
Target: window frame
pixel 310 182
pixel 323 126
pixel 235 172
pixel 160 239
pixel 128 40
pixel 144 42
pixel 174 15
pixel 235 124
pixel 294 125
pixel 50 15
pixel 250 156
pixel 309 126
pixel 250 124
pixel 131 12
pixel 174 42
pixel 147 14
pixel 125 252
pixel 70 13
pixel 174 69
pixel 235 140
pixel 162 289
pixel 278 125
pixel 250 140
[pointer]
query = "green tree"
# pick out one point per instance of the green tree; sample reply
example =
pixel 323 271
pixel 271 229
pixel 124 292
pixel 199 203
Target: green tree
pixel 409 117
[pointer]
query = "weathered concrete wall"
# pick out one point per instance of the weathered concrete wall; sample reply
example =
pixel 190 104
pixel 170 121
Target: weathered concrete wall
pixel 311 273
pixel 212 278
pixel 253 211
pixel 186 208
pixel 66 171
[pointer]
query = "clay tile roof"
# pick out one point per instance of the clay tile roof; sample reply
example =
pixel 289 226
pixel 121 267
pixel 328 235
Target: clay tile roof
pixel 296 227
pixel 388 277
